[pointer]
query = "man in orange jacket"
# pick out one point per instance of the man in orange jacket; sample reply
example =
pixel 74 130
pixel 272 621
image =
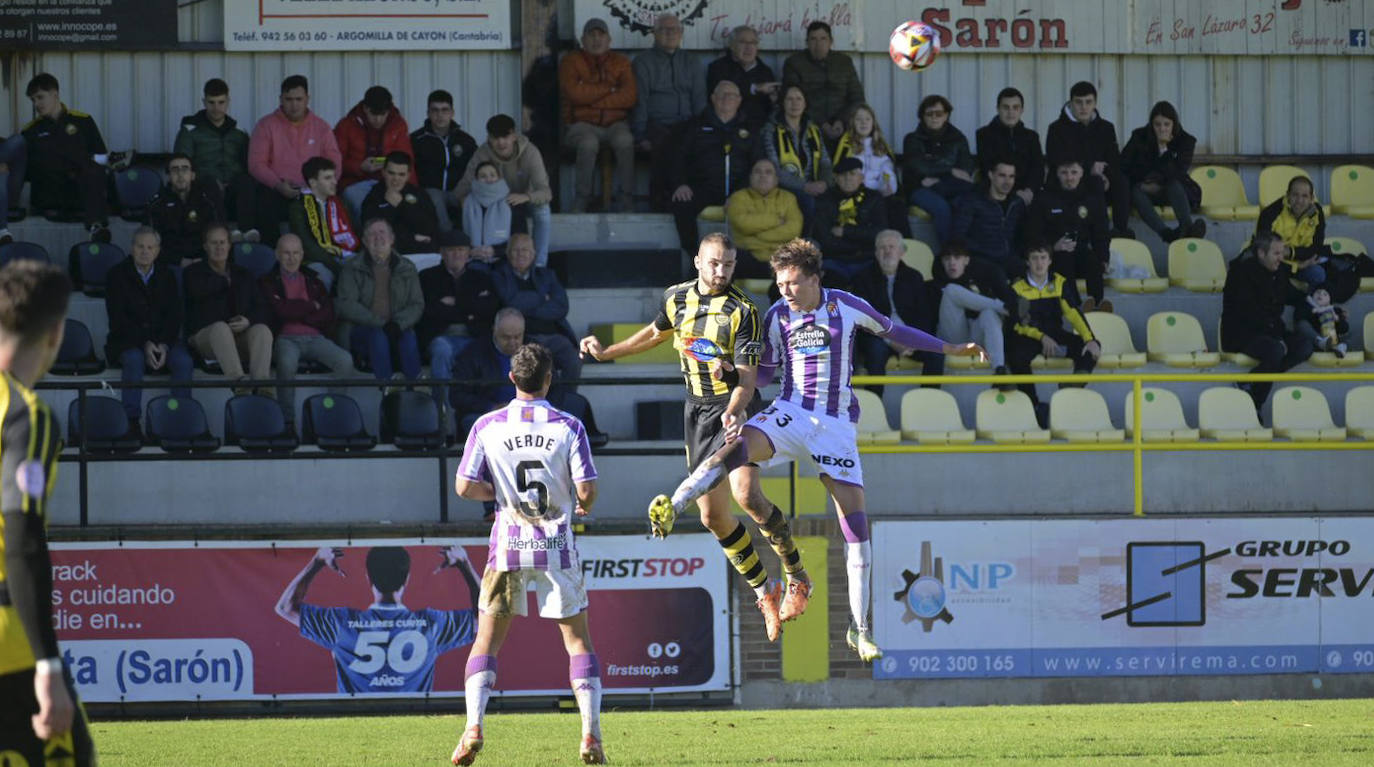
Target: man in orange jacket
pixel 598 91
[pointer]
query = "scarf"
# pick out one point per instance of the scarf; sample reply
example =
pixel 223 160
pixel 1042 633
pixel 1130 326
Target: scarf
pixel 333 231
pixel 486 214
pixel 792 161
pixel 849 208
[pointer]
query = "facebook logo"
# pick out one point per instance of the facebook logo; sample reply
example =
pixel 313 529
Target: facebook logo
pixel 1358 38
pixel 1164 583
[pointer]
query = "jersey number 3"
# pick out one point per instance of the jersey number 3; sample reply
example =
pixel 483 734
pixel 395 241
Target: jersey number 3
pixel 524 484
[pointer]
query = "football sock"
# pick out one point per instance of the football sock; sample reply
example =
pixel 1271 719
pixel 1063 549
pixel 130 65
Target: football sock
pixel 481 677
pixel 739 550
pixel 779 535
pixel 708 474
pixel 585 675
pixel 858 561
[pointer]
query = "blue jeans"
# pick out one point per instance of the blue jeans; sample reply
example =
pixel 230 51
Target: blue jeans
pixel 132 367
pixel 541 218
pixel 373 345
pixel 14 154
pixel 442 351
pixel 353 197
pixel 936 200
pixel 1312 275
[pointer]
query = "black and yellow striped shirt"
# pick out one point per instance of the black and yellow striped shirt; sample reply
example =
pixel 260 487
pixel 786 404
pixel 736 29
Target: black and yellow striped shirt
pixel 709 327
pixel 29 446
pixel 1045 308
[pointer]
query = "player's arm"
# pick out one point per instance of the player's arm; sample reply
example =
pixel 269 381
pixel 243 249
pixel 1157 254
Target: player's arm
pixel 586 496
pixel 289 605
pixel 912 338
pixel 475 489
pixel 473 479
pixel 643 340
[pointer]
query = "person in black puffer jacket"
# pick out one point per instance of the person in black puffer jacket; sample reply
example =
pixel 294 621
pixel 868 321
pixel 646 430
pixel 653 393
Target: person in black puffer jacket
pixel 1156 161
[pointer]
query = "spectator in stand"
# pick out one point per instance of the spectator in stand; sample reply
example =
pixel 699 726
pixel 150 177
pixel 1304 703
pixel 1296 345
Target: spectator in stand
pixel 13 161
pixel 320 219
pixel 182 210
pixel 460 305
pixel 488 219
pixel 794 143
pixel 66 160
pixel 1155 162
pixel 301 315
pixel 1082 134
pixel 379 303
pixel 988 220
pixel 1252 305
pixel 405 206
pixel 974 300
pixel 368 136
pixel 901 293
pixel 755 80
pixel 226 320
pixel 710 161
pixel 442 152
pixel 1007 138
pixel 670 90
pixel 1045 300
pixel 143 304
pixel 828 79
pixel 281 143
pixel 218 149
pixel 536 292
pixel 1069 214
pixel 936 163
pixel 522 167
pixel 598 91
pixel 762 216
pixel 1299 220
pixel 847 222
pixel 864 139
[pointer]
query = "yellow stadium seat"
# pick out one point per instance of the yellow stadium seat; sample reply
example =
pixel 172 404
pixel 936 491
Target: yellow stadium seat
pixel 713 213
pixel 1273 181
pixel 757 285
pixel 1223 194
pixel 1301 413
pixel 1228 414
pixel 966 363
pixel 897 364
pixel 915 212
pixel 919 256
pixel 1352 191
pixel 1175 338
pixel 1349 246
pixel 1369 335
pixel 1080 415
pixel 873 427
pixel 1134 253
pixel 1197 265
pixel 1236 358
pixel 1040 362
pixel 1359 412
pixel 932 416
pixel 1351 359
pixel 614 332
pixel 1008 417
pixel 1115 336
pixel 1161 417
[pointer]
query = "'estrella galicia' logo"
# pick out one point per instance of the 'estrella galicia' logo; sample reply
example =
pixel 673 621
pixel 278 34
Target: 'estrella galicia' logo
pixel 924 598
pixel 809 339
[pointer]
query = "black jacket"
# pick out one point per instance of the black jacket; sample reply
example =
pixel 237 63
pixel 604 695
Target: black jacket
pixel 57 149
pixel 441 160
pixel 989 228
pixel 1079 212
pixel 707 154
pixel 181 223
pixel 1252 302
pixel 414 216
pixel 856 241
pixel 1142 161
pixel 211 297
pixel 933 154
pixel 1094 142
pixel 138 312
pixel 756 107
pixel 479 361
pixel 1019 144
pixel 475 302
pixel 910 292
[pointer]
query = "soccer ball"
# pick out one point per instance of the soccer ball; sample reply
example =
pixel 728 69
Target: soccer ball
pixel 913 46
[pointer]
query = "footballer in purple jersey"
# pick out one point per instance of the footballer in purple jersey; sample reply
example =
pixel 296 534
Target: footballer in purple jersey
pixel 809 333
pixel 388 647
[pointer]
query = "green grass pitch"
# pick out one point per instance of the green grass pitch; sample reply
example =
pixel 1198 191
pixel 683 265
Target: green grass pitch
pixel 1245 734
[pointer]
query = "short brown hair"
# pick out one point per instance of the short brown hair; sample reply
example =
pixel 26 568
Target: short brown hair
pixel 801 253
pixel 33 298
pixel 529 366
pixel 718 238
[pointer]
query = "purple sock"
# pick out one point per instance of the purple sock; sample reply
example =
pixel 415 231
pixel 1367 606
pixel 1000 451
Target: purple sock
pixel 583 666
pixel 479 663
pixel 854 526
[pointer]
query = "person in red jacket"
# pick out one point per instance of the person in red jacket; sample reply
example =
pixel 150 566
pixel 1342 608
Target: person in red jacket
pixel 372 129
pixel 598 90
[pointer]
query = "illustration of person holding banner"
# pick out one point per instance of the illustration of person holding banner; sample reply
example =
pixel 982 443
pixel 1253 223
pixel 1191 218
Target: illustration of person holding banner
pixel 388 647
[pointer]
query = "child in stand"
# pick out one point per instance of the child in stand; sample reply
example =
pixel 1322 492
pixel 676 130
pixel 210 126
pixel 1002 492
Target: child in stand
pixel 1327 320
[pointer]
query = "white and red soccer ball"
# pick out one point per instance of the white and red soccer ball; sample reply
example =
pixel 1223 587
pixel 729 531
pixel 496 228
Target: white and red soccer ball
pixel 914 46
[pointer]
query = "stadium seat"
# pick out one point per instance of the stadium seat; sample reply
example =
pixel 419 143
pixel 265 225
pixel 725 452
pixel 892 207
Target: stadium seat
pixel 873 427
pixel 106 426
pixel 1369 335
pixel 1228 414
pixel 757 285
pixel 1359 412
pixel 1273 182
pixel 1008 417
pixel 1041 362
pixel 1223 194
pixel 178 425
pixel 1352 191
pixel 904 365
pixel 1175 338
pixel 919 256
pixel 932 416
pixel 1135 255
pixel 1236 358
pixel 255 257
pixel 135 188
pixel 410 421
pixel 1301 413
pixel 614 332
pixel 334 422
pixel 23 250
pixel 915 212
pixel 1197 265
pixel 1112 332
pixel 77 356
pixel 1161 417
pixel 93 261
pixel 713 213
pixel 1351 359
pixel 1080 415
pixel 256 424
pixel 1349 246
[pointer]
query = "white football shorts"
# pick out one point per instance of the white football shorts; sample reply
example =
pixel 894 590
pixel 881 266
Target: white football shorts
pixel 557 593
pixel 831 444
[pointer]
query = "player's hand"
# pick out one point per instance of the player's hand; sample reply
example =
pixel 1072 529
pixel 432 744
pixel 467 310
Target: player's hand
pixel 733 423
pixel 581 512
pixel 55 707
pixel 451 555
pixel 966 350
pixel 329 557
pixel 720 368
pixel 591 346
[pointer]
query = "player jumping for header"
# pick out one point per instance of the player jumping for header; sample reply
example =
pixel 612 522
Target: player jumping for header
pixel 535 462
pixel 810 333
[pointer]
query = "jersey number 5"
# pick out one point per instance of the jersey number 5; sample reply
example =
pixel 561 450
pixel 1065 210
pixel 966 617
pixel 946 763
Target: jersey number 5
pixel 524 484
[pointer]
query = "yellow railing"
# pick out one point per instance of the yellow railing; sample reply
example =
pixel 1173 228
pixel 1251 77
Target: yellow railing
pixel 1136 444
